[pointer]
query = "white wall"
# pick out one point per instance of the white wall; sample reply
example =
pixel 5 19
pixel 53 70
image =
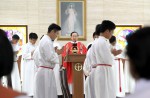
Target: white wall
pixel 39 14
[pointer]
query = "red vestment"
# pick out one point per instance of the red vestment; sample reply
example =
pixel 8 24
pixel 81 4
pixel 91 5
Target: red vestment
pixel 68 50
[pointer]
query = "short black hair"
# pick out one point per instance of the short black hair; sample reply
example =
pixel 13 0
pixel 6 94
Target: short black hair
pixel 95 34
pixel 89 46
pixel 15 36
pixel 41 37
pixel 98 29
pixel 112 39
pixel 6 55
pixel 74 32
pixel 33 36
pixel 138 51
pixel 107 25
pixel 54 27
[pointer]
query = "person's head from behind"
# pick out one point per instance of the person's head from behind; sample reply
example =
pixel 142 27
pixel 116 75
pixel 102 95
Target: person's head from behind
pixel 138 51
pixel 74 36
pixel 107 28
pixel 112 40
pixel 95 35
pixel 98 29
pixel 53 31
pixel 33 38
pixel 15 39
pixel 6 55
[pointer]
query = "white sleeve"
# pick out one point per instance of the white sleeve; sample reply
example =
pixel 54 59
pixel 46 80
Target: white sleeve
pixel 49 53
pixel 123 54
pixel 15 48
pixel 35 56
pixel 85 67
pixel 55 44
pixel 26 55
pixel 104 53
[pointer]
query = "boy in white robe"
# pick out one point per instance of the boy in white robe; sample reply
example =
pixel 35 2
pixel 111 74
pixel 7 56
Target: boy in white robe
pixel 87 68
pixel 118 69
pixel 46 58
pixel 28 67
pixel 57 69
pixel 104 85
pixel 15 76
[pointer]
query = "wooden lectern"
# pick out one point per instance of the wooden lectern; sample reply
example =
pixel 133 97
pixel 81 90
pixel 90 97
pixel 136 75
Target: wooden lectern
pixel 77 72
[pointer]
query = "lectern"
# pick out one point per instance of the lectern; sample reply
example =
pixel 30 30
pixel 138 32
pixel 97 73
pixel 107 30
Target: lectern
pixel 77 72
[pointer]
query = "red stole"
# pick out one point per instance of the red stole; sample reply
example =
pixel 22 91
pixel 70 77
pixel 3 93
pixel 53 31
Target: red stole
pixel 68 50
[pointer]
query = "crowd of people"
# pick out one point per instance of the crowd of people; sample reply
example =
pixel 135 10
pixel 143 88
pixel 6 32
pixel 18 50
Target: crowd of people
pixel 110 70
